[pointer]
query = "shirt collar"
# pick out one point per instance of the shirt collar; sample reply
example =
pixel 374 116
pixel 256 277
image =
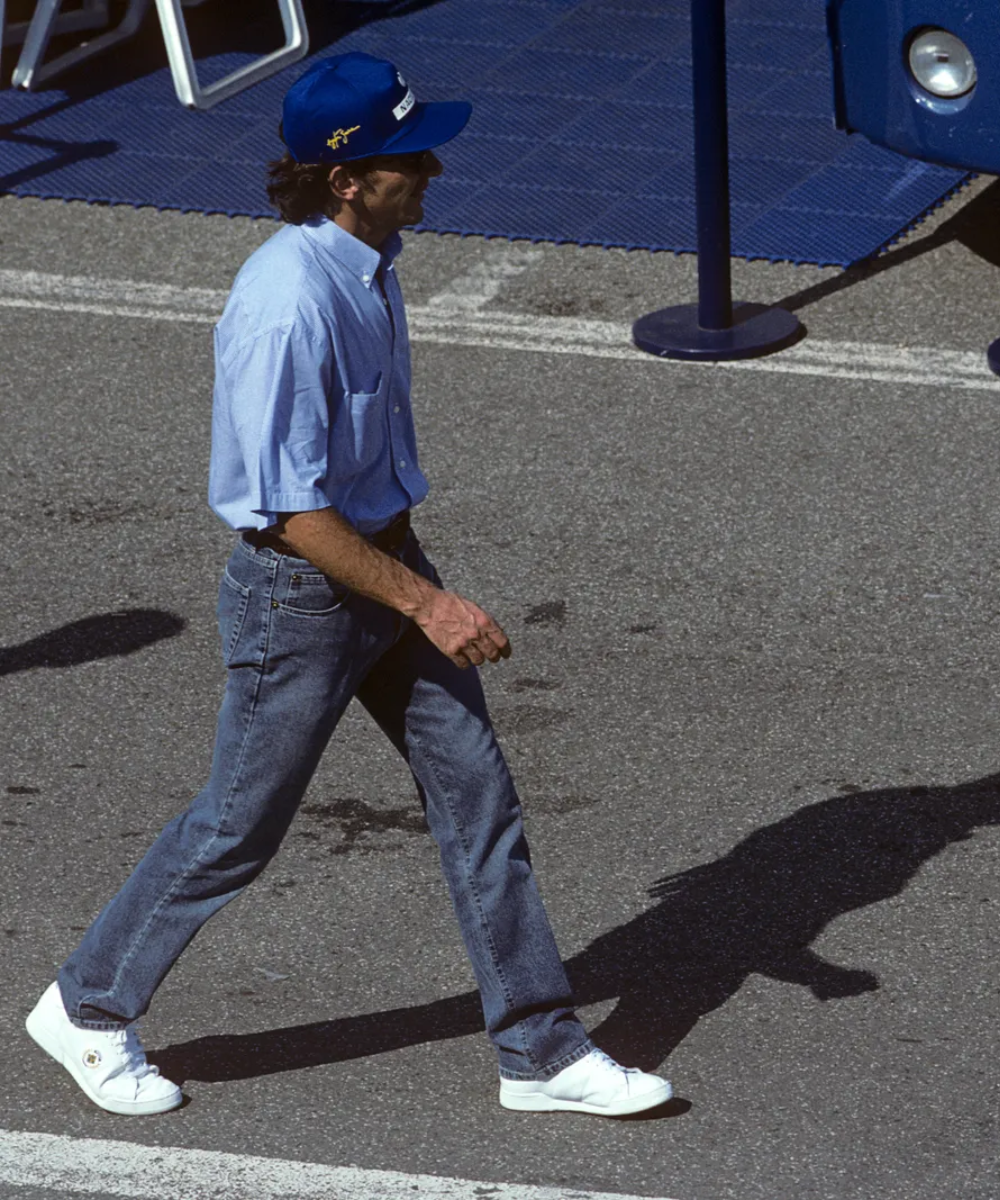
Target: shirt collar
pixel 358 257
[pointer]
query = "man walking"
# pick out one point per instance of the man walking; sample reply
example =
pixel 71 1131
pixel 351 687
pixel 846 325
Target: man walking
pixel 326 596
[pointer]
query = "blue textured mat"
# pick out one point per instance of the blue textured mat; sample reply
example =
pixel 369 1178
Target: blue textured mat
pixel 582 130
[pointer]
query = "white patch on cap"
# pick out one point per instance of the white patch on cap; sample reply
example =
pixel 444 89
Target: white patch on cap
pixel 404 106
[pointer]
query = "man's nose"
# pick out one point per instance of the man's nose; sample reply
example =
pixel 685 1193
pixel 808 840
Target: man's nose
pixel 432 165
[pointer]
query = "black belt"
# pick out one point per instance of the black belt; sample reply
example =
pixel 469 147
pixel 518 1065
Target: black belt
pixel 388 540
pixel 393 536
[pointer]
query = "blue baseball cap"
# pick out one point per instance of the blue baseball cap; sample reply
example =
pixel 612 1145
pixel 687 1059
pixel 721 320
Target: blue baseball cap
pixel 353 105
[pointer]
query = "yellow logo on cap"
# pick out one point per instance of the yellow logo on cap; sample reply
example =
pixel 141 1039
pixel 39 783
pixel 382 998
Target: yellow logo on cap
pixel 340 136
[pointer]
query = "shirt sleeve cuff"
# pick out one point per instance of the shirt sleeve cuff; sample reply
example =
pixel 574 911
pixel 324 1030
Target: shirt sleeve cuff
pixel 308 500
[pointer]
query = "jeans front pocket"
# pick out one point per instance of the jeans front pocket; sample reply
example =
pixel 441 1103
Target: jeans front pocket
pixel 234 600
pixel 311 594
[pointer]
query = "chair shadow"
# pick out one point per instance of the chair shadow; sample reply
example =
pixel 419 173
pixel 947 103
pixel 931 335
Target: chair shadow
pixel 107 635
pixel 976 225
pixel 756 910
pixel 211 31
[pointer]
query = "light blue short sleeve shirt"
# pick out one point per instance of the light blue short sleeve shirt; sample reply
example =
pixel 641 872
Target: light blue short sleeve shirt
pixel 312 384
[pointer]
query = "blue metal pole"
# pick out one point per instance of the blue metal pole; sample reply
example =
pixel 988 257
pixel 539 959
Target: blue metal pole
pixel 713 329
pixel 711 157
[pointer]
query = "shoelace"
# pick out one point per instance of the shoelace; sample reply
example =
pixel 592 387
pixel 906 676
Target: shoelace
pixel 609 1064
pixel 135 1064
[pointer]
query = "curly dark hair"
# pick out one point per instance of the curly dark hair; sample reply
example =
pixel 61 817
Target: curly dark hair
pixel 302 190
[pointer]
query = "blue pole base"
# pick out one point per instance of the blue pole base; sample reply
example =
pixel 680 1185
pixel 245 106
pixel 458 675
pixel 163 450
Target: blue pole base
pixel 993 356
pixel 756 330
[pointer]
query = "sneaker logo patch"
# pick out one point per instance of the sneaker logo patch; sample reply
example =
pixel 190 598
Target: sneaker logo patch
pixel 92 1058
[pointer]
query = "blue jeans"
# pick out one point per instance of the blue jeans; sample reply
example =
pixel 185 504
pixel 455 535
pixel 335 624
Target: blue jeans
pixel 297 647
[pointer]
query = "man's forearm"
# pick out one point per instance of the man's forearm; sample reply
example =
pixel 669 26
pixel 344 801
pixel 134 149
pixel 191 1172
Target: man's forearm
pixel 459 628
pixel 335 547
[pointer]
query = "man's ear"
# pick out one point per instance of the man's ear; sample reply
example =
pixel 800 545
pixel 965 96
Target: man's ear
pixel 342 183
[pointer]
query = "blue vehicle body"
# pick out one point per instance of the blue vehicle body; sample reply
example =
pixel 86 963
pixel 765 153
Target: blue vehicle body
pixel 875 93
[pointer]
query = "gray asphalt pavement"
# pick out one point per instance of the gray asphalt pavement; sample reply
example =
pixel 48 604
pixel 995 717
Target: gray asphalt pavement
pixel 752 709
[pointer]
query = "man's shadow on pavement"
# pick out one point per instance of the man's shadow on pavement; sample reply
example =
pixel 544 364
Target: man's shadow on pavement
pixel 756 910
pixel 106 635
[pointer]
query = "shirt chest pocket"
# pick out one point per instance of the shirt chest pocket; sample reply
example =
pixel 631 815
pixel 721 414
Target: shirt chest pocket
pixel 361 429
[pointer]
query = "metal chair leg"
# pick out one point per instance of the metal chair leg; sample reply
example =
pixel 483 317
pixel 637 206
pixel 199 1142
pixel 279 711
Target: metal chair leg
pixel 182 66
pixel 46 20
pixel 93 14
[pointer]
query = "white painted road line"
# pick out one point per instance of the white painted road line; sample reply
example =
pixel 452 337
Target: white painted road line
pixel 466 323
pixel 112 297
pixel 76 1166
pixel 482 282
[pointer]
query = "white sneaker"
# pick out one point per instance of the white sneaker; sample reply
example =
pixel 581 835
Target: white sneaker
pixel 594 1084
pixel 110 1065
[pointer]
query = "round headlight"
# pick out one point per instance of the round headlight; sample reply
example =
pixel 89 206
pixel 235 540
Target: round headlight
pixel 942 63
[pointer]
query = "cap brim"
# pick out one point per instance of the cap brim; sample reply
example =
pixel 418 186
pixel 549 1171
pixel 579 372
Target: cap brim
pixel 433 124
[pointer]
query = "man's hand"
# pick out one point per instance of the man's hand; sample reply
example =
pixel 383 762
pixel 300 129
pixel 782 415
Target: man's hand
pixel 461 629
